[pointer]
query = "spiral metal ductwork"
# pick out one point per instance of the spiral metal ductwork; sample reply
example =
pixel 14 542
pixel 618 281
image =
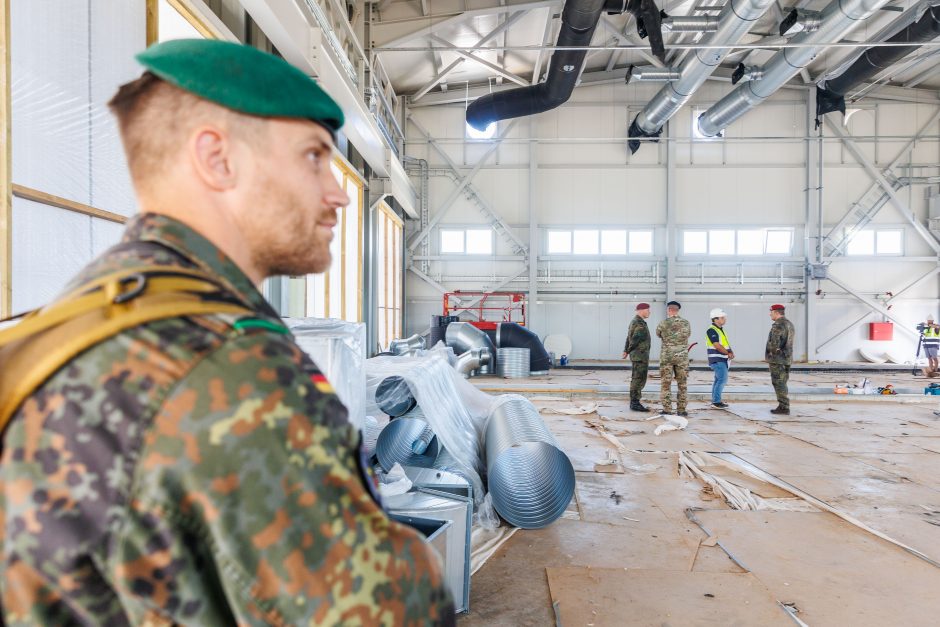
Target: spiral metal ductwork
pixel 830 95
pixel 473 359
pixel 514 335
pixel 400 440
pixel 735 20
pixel 394 397
pixel 531 481
pixel 464 337
pixel 838 19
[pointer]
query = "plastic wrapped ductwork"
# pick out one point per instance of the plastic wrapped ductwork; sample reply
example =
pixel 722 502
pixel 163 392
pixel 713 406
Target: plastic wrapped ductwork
pixel 463 337
pixel 394 397
pixel 513 335
pixel 338 348
pixel 408 441
pixel 531 481
pixel 407 346
pixel 473 359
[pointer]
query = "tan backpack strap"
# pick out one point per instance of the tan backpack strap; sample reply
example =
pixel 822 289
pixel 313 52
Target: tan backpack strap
pixel 37 347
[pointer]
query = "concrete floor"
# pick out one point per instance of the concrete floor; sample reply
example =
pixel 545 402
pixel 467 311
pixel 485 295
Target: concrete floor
pixel 848 530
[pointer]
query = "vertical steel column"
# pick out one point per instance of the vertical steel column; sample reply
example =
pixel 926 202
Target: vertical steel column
pixel 812 234
pixel 533 254
pixel 671 233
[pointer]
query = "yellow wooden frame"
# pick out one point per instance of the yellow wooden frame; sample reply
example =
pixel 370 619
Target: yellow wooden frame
pixel 392 252
pixel 28 193
pixel 349 173
pixel 184 8
pixel 6 165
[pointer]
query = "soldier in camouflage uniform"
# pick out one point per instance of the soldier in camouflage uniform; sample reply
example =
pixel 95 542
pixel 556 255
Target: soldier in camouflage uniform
pixel 200 470
pixel 637 347
pixel 779 356
pixel 674 332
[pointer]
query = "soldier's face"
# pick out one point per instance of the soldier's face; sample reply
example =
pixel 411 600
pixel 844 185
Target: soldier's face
pixel 297 197
pixel 672 312
pixel 643 313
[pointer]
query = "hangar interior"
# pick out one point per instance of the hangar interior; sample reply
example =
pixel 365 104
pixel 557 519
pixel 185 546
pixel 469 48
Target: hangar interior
pixel 729 154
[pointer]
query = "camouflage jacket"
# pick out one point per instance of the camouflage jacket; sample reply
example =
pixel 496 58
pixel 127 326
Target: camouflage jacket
pixel 674 333
pixel 196 471
pixel 638 340
pixel 780 342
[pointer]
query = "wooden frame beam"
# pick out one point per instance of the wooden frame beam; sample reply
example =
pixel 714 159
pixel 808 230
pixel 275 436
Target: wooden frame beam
pixel 6 166
pixel 28 193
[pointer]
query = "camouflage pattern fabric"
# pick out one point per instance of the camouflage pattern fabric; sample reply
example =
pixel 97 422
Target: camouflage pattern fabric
pixel 780 342
pixel 674 361
pixel 779 375
pixel 638 340
pixel 640 373
pixel 195 471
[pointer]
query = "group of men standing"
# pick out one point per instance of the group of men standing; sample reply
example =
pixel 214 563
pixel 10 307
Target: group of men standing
pixel 674 333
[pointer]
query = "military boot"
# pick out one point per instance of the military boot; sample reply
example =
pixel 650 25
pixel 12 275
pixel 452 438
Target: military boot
pixel 636 406
pixel 781 411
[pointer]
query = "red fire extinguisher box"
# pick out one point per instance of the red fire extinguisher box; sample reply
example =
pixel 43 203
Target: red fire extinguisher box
pixel 883 331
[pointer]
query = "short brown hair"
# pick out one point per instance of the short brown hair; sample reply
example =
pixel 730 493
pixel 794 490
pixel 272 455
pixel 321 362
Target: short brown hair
pixel 153 117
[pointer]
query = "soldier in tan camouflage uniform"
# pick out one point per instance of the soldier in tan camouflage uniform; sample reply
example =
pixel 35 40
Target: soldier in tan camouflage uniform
pixel 779 356
pixel 674 332
pixel 200 470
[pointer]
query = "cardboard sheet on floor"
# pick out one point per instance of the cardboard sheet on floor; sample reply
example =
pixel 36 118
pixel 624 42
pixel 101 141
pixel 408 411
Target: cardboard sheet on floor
pixel 834 572
pixel 616 597
pixel 846 439
pixel 922 468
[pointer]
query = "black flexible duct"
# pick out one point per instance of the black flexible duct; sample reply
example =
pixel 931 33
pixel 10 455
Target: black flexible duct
pixel 832 97
pixel 578 22
pixel 512 335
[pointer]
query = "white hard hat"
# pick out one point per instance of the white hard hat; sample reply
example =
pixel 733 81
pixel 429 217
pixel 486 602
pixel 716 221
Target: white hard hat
pixel 717 313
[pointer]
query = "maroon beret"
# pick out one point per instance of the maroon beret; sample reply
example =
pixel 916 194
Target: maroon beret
pixel 777 307
pixel 640 306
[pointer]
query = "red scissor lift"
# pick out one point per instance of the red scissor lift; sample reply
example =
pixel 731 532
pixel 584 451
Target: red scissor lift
pixel 491 308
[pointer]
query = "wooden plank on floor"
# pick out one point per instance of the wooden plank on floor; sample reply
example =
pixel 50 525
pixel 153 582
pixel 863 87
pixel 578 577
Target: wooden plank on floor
pixel 835 573
pixel 616 597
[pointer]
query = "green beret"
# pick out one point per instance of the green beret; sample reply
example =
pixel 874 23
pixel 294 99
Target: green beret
pixel 242 78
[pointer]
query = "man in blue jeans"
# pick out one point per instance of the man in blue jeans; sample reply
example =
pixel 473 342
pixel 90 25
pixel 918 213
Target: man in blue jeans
pixel 719 354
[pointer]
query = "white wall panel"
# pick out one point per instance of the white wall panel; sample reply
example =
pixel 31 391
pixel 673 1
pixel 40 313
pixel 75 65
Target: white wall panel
pixel 104 235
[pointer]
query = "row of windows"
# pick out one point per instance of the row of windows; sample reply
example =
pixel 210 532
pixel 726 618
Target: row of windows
pixel 772 241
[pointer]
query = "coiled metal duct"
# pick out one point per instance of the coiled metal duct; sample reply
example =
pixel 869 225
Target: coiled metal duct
pixel 402 437
pixel 531 481
pixel 513 363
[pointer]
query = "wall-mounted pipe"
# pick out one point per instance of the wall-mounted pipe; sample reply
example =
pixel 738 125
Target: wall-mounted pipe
pixel 830 94
pixel 838 19
pixel 735 20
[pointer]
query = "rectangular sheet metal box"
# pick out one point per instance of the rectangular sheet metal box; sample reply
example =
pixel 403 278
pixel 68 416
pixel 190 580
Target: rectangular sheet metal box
pixel 880 331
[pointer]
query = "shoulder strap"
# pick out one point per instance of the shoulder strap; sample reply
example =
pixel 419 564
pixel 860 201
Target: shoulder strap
pixel 48 338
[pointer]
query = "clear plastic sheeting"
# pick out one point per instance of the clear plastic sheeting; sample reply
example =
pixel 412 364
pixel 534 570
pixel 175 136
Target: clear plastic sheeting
pixel 338 349
pixel 455 410
pixel 531 480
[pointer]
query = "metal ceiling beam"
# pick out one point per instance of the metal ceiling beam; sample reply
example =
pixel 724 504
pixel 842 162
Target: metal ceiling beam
pixel 492 66
pixel 873 172
pixel 537 69
pixel 927 74
pixel 515 17
pixel 441 22
pixel 873 306
pixel 627 38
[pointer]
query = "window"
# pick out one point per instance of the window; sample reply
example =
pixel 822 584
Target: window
pixel 695 242
pixel 585 243
pixel 389 228
pixel 773 241
pixel 721 242
pixel 479 241
pixel 641 242
pixel 888 242
pixel 604 242
pixel 613 242
pixel 876 242
pixel 559 242
pixel 488 133
pixel 467 241
pixel 452 241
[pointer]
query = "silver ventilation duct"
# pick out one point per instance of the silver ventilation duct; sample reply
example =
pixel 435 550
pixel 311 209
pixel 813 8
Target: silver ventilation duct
pixel 407 346
pixel 408 441
pixel 690 23
pixel 464 337
pixel 735 20
pixel 472 360
pixel 652 74
pixel 531 481
pixel 838 19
